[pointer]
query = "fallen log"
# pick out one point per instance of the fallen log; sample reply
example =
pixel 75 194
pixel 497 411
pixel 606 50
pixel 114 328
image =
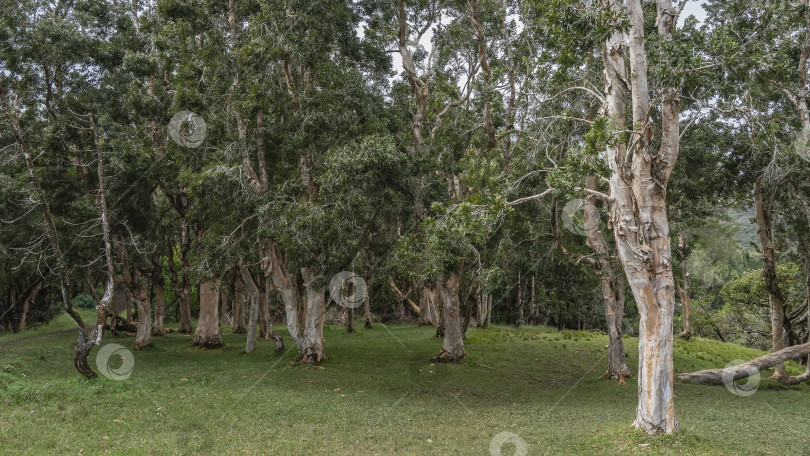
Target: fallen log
pixel 753 367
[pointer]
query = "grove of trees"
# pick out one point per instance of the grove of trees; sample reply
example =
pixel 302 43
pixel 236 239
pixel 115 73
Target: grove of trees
pixel 595 165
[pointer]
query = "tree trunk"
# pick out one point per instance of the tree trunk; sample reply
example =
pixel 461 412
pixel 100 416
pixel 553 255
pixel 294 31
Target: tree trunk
pixel 238 306
pixel 253 295
pixel 264 311
pixel 683 292
pixel 427 304
pixel 519 320
pixel 453 345
pixel 775 296
pixel 224 312
pixel 311 347
pixel 610 283
pixel 185 292
pixel 534 314
pixel 27 306
pixel 181 283
pixel 489 311
pixel 349 319
pixel 277 340
pixel 638 188
pixel 143 337
pixel 367 307
pixel 208 334
pixel 160 299
pixel 305 327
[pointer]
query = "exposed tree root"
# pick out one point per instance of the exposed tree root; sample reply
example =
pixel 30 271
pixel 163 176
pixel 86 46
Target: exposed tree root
pixel 207 342
pixel 446 357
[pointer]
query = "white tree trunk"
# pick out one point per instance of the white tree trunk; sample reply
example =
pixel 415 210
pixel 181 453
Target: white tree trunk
pixel 638 188
pixel 305 326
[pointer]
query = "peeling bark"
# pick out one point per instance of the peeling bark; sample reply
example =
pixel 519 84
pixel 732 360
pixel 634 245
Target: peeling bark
pixel 638 213
pixel 208 334
pixel 452 345
pixel 143 337
pixel 428 314
pixel 305 326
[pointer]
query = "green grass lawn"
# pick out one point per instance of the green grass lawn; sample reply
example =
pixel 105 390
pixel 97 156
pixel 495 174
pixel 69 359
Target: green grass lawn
pixel 378 394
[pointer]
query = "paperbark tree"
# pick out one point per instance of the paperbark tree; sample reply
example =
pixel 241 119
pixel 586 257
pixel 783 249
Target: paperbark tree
pixel 143 337
pixel 638 185
pixel 208 334
pixel 452 345
pixel 304 315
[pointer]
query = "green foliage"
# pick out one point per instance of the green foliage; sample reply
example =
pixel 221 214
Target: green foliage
pixel 84 301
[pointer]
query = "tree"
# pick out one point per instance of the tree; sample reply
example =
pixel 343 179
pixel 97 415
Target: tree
pixel 638 185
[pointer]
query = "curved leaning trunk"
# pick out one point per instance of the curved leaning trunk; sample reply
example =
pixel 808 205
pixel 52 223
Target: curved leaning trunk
pixel 27 306
pixel 452 344
pixel 208 333
pixel 81 353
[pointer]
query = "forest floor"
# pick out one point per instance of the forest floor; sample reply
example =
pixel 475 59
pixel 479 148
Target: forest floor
pixel 377 394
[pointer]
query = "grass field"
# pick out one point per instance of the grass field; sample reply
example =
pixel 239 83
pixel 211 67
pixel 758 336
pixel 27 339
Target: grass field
pixel 377 394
